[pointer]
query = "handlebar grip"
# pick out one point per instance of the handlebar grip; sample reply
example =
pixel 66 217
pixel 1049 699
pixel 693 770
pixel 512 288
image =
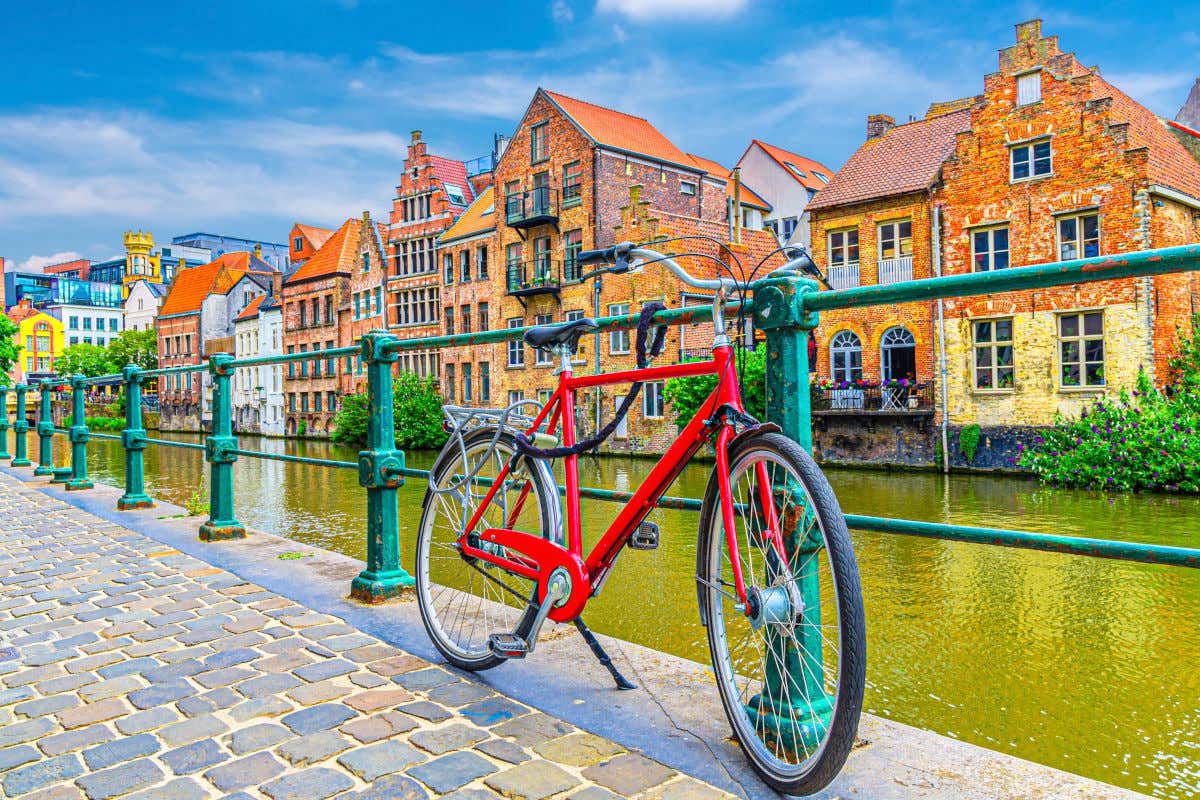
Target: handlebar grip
pixel 605 256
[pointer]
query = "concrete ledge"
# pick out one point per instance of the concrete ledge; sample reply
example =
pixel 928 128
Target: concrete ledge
pixel 675 716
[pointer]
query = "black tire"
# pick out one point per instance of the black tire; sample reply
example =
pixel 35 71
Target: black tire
pixel 491 608
pixel 814 771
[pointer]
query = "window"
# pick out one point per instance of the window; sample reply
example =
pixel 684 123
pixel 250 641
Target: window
pixel 455 193
pixel 87 323
pixel 543 358
pixel 378 300
pixel 366 261
pixel 298 243
pixel 538 141
pixel 316 311
pixel 483 316
pixel 1030 160
pixel 789 227
pixel 994 354
pixel 74 323
pixel 515 396
pixel 328 309
pixel 572 183
pixel 448 316
pixel 845 357
pixel 572 244
pixel 304 401
pixel 1029 88
pixel 112 323
pixel 448 267
pixel 898 354
pixel 544 395
pixel 579 358
pixel 1078 237
pixel 821 176
pixel 74 340
pixel 895 239
pixel 316 401
pixel 465 314
pixel 989 249
pixel 464 266
pixel 449 387
pixel 652 400
pixel 304 364
pixel 516 348
pixel 795 169
pixel 303 313
pixel 291 401
pixel 688 188
pixel 843 254
pixel 316 364
pixel 1081 346
pixel 481 265
pixel 331 401
pixel 485 382
pixel 618 340
pixel 466 379
pixel 291 364
pixel 43 344
pixel 357 305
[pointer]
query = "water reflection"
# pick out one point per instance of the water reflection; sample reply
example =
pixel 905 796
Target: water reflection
pixel 1083 664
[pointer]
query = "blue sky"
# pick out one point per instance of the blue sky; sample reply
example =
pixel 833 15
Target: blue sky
pixel 240 118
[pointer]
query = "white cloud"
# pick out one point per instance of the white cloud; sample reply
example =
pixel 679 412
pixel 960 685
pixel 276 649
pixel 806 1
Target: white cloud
pixel 561 12
pixel 35 263
pixel 645 10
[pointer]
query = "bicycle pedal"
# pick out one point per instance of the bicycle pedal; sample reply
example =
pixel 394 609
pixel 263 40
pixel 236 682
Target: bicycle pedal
pixel 645 537
pixel 508 645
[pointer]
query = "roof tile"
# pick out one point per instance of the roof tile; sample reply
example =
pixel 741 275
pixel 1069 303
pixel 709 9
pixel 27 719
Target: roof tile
pixel 192 285
pixel 807 165
pixel 336 255
pixel 479 217
pixel 619 130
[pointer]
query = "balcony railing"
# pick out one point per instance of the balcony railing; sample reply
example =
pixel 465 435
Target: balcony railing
pixel 886 399
pixel 894 270
pixel 844 276
pixel 537 276
pixel 538 206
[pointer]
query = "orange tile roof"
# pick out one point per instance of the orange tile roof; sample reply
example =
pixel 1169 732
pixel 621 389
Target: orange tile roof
pixel 336 255
pixel 251 309
pixel 749 197
pixel 479 217
pixel 619 130
pixel 905 159
pixel 192 285
pixel 19 313
pixel 804 163
pixel 315 236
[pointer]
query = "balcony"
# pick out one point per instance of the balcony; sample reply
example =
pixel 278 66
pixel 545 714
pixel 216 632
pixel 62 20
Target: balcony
pixel 538 206
pixel 537 276
pixel 844 276
pixel 872 399
pixel 894 270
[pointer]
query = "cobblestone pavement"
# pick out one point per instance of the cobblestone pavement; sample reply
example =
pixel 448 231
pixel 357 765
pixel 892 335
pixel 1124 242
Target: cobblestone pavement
pixel 128 669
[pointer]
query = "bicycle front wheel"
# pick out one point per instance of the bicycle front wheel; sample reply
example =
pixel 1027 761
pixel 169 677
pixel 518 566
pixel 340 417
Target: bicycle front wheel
pixel 790 663
pixel 463 600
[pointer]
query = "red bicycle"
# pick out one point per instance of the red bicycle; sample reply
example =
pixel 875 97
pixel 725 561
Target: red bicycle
pixel 776 576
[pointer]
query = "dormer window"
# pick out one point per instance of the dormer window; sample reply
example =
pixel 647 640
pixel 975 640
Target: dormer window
pixel 455 193
pixel 298 243
pixel 799 172
pixel 1029 88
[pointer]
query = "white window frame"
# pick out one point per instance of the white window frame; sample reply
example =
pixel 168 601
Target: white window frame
pixel 840 345
pixel 618 338
pixel 542 357
pixel 1081 339
pixel 688 188
pixel 653 400
pixel 994 344
pixel 1029 148
pixel 516 347
pixel 1080 243
pixel 992 250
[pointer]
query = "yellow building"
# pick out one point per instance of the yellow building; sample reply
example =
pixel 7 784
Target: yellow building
pixel 41 338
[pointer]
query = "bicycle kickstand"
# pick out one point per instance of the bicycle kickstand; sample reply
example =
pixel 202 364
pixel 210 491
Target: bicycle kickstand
pixel 601 656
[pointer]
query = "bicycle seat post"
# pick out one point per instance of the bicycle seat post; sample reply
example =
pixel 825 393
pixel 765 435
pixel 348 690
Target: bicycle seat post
pixel 720 337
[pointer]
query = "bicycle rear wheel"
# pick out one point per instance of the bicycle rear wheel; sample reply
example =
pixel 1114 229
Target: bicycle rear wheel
pixel 463 600
pixel 790 664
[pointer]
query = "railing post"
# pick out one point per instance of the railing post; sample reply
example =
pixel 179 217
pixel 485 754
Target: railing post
pixel 4 426
pixel 380 470
pixel 133 438
pixel 45 432
pixel 219 452
pixel 20 428
pixel 794 673
pixel 79 435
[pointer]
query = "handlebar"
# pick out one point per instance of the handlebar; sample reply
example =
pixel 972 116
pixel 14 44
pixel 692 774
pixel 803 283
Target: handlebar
pixel 625 256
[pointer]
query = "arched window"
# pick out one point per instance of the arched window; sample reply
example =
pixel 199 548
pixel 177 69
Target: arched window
pixel 898 354
pixel 845 356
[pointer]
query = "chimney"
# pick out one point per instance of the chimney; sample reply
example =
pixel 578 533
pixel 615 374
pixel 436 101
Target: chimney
pixel 276 284
pixel 416 136
pixel 1029 31
pixel 878 125
pixel 258 251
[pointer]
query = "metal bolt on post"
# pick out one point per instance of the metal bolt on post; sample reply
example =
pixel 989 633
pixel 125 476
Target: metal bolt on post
pixel 79 436
pixel 4 426
pixel 45 432
pixel 779 312
pixel 133 439
pixel 219 451
pixel 20 428
pixel 379 472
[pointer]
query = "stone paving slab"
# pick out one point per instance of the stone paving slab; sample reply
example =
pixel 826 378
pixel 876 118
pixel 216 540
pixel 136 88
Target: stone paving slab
pixel 141 672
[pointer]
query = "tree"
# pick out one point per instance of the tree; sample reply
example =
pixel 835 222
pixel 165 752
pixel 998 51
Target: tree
pixel 416 413
pixel 10 346
pixel 686 395
pixel 88 360
pixel 134 347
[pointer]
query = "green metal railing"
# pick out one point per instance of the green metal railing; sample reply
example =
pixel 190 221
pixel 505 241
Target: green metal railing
pixel 784 307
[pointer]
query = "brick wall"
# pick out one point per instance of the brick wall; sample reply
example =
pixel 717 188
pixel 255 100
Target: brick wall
pixel 180 407
pixel 312 381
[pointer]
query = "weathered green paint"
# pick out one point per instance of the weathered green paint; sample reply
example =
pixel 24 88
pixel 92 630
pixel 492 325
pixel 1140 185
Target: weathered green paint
pixel 381 473
pixel 133 438
pixel 4 426
pixel 45 432
pixel 79 435
pixel 220 452
pixel 61 474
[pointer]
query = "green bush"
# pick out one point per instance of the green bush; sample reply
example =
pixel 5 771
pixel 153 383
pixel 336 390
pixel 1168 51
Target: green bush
pixel 417 415
pixel 104 423
pixel 968 440
pixel 686 395
pixel 1147 441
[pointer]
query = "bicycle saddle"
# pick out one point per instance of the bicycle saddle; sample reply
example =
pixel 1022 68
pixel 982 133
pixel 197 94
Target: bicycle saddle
pixel 546 337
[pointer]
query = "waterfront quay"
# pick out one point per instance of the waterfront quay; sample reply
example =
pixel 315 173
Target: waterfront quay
pixel 140 662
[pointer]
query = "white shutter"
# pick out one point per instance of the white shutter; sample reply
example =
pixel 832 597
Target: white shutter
pixel 1029 88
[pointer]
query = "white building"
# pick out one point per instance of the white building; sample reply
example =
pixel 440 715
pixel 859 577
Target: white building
pixel 141 307
pixel 89 324
pixel 218 316
pixel 258 391
pixel 787 181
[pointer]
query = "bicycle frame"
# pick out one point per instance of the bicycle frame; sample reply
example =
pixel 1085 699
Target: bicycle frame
pixel 536 559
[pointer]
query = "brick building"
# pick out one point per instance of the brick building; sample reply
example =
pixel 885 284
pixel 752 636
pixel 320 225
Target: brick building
pixel 304 241
pixel 366 309
pixel 195 321
pixel 433 191
pixel 1051 162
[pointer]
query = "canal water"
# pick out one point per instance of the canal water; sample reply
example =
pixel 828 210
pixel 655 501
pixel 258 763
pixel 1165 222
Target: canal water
pixel 1088 665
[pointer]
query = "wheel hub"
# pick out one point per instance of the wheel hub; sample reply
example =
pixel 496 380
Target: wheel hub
pixel 775 605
